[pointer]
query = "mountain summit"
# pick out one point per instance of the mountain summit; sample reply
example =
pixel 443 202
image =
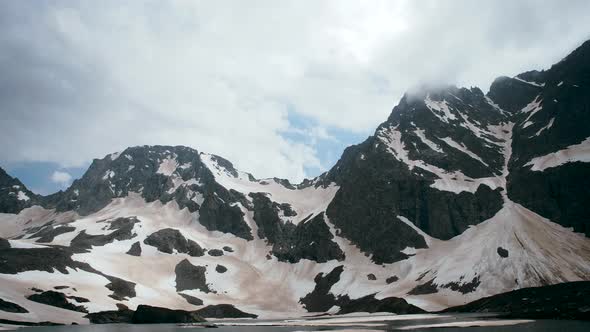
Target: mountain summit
pixel 458 195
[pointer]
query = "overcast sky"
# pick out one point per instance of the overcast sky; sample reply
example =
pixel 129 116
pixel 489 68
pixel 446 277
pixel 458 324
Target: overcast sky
pixel 277 87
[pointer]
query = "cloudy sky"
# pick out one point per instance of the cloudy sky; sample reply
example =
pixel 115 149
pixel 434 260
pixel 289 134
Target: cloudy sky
pixel 278 87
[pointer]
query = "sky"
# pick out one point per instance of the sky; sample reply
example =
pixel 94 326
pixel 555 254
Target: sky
pixel 280 88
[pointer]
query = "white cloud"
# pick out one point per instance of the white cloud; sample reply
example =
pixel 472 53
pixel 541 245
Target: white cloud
pixel 90 79
pixel 61 178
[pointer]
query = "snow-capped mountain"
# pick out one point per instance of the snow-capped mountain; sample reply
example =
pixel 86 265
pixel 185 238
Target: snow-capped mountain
pixel 457 196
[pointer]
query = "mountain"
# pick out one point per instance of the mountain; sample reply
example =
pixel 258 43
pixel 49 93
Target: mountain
pixel 458 195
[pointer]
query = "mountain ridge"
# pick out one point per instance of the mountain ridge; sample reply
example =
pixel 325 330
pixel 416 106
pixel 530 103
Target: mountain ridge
pixel 458 195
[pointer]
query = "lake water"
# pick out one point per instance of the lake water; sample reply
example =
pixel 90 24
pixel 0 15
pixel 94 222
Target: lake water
pixel 367 323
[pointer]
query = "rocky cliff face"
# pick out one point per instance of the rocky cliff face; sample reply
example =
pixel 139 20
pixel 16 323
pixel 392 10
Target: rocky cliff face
pixel 456 196
pixel 14 196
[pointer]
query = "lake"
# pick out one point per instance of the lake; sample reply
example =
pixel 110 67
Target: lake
pixel 349 323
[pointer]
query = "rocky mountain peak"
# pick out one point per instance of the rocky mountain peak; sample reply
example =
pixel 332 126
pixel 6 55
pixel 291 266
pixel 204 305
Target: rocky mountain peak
pixel 14 195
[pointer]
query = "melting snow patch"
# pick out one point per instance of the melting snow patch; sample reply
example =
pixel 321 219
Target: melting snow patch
pixel 573 153
pixel 185 165
pixel 115 155
pixel 448 181
pixel 560 83
pixel 532 108
pixel 420 133
pixel 531 83
pixel 108 175
pixel 22 196
pixel 167 166
pixel 461 147
pixel 549 125
pixel 437 107
pixel 526 124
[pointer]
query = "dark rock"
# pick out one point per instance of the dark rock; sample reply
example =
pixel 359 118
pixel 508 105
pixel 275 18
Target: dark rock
pixel 563 301
pixel 376 187
pixel 48 233
pixel 57 258
pixel 4 244
pixel 464 287
pixel 122 289
pixel 167 240
pixel 220 268
pixel 423 289
pixel 122 227
pixel 223 311
pixel 511 94
pixel 39 259
pixel 309 239
pixel 155 315
pixel 287 210
pixel 11 307
pixel 215 252
pixel 78 299
pixel 21 323
pixel 56 299
pixel 391 279
pixel 557 193
pixel 121 316
pixel 135 249
pixel 60 287
pixel 502 252
pixel 218 213
pixel 228 249
pixel 320 299
pixel 371 276
pixel 9 194
pixel 191 299
pixel 370 304
pixel 189 276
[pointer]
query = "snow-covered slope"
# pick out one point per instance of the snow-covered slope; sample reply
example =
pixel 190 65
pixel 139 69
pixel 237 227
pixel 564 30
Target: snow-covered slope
pixel 458 195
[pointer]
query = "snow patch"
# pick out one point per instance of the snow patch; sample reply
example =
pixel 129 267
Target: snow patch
pixel 438 107
pixel 22 196
pixel 115 155
pixel 547 126
pixel 108 175
pixel 167 166
pixel 540 85
pixel 454 181
pixel 420 133
pixel 461 147
pixel 573 153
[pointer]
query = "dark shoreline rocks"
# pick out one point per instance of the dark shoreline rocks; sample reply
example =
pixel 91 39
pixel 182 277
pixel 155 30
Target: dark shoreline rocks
pixel 146 314
pixel 569 300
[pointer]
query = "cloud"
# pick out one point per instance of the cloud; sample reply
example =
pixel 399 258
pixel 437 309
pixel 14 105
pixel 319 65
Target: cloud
pixel 81 80
pixel 61 178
